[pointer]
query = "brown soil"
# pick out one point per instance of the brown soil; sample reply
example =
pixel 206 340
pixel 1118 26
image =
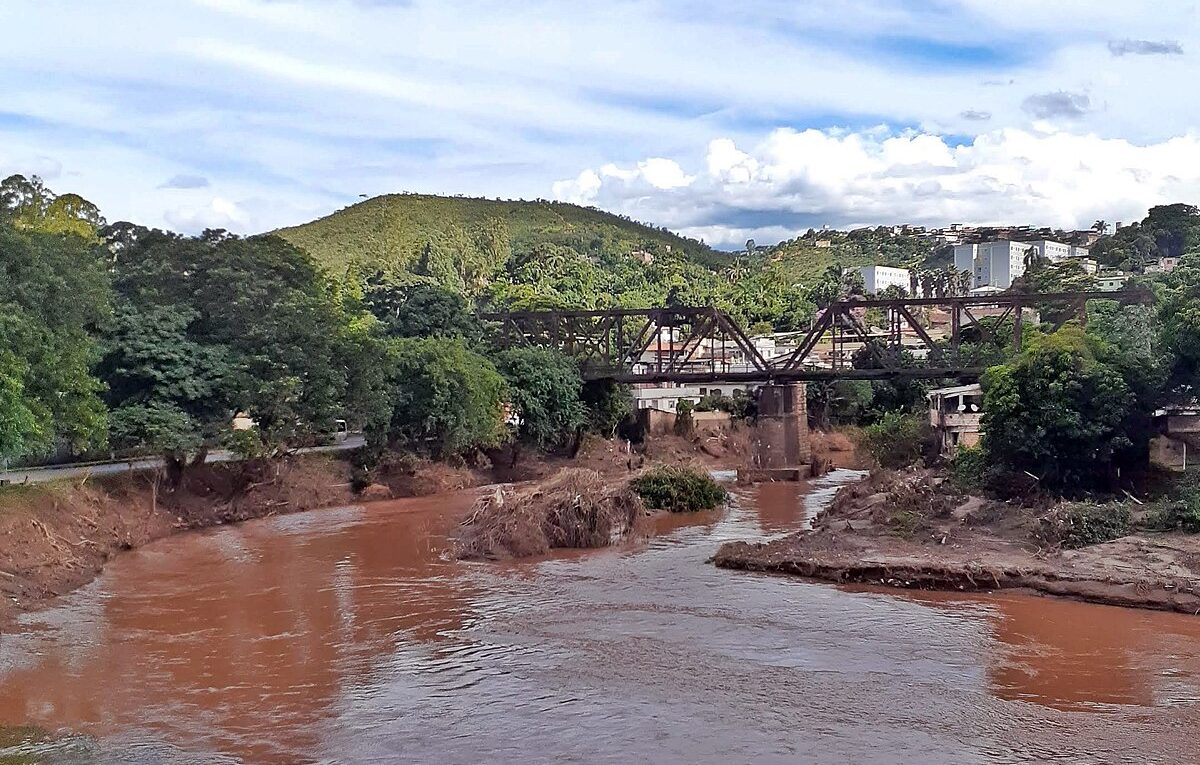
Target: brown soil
pixel 910 530
pixel 576 508
pixel 56 537
pixel 836 448
pixel 407 476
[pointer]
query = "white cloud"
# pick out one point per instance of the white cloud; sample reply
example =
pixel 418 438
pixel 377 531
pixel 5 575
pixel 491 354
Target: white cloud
pixel 814 177
pixel 294 107
pixel 217 213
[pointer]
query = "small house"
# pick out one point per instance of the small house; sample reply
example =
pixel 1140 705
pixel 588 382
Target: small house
pixel 955 415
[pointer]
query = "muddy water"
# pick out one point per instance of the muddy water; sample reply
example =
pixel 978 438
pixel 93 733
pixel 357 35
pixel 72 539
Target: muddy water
pixel 341 636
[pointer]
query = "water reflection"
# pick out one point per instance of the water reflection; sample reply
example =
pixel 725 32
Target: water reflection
pixel 344 635
pixel 205 637
pixel 1071 655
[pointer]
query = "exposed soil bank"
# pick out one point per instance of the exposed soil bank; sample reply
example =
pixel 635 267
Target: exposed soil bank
pixel 905 530
pixel 56 537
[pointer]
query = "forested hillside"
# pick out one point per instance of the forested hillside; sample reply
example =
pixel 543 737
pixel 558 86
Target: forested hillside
pixel 551 255
pixel 118 337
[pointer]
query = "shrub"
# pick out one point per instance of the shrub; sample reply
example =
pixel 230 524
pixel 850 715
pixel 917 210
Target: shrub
pixel 679 489
pixel 968 469
pixel 897 440
pixel 1180 510
pixel 1084 523
pixel 739 406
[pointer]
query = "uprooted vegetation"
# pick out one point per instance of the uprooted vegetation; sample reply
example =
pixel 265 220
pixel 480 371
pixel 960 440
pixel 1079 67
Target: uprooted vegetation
pixel 1073 525
pixel 679 489
pixel 577 508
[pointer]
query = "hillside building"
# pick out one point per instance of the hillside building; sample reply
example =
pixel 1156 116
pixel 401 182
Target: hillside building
pixel 992 264
pixel 876 279
pixel 999 263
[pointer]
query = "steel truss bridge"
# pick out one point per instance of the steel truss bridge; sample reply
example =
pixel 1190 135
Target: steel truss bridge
pixel 698 345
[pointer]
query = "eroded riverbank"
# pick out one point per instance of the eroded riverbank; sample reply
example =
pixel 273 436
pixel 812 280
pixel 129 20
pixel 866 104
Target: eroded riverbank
pixel 55 538
pixel 347 636
pixel 899 530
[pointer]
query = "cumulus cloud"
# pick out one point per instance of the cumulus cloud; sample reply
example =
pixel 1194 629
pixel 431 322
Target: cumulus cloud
pixel 185 182
pixel 975 115
pixel 1046 106
pixel 218 213
pixel 1145 48
pixel 791 180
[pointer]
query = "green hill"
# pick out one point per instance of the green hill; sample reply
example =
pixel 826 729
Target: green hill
pixel 400 232
pixel 805 259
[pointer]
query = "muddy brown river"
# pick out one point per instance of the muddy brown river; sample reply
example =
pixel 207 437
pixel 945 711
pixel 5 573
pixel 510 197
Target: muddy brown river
pixel 342 637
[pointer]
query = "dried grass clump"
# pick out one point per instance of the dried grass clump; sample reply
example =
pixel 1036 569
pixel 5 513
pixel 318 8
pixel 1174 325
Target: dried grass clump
pixel 574 508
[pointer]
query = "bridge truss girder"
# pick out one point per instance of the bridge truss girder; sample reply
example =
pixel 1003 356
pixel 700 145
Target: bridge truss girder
pixel 695 345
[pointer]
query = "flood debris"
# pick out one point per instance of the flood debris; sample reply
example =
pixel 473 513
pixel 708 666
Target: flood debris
pixel 575 508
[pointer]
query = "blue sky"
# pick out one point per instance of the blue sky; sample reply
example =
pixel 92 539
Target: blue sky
pixel 724 120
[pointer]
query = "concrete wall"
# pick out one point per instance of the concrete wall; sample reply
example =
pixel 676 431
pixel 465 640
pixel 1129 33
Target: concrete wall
pixel 1168 453
pixel 712 420
pixel 655 422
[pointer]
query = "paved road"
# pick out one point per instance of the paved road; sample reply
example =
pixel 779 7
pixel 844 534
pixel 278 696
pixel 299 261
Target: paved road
pixel 61 472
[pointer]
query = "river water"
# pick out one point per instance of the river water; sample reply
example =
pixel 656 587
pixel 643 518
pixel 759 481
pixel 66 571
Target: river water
pixel 343 637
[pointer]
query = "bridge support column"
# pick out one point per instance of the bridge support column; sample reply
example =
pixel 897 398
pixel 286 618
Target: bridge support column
pixel 781 449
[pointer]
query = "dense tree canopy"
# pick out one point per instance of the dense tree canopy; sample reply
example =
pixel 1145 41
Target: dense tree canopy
pixel 544 389
pixel 1056 410
pixel 54 296
pixel 446 399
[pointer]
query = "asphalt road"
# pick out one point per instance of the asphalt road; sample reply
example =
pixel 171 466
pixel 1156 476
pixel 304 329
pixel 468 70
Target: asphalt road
pixel 61 472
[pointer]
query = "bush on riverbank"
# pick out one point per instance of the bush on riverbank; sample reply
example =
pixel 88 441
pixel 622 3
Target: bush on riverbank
pixel 576 508
pixel 1178 507
pixel 679 489
pixel 897 440
pixel 1080 524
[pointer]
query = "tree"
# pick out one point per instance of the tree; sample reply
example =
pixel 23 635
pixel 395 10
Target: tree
pixel 895 395
pixel 1179 317
pixel 168 393
pixel 606 404
pixel 258 308
pixel 446 400
pixel 838 402
pixel 54 293
pixel 1056 411
pixel 419 309
pixel 20 428
pixel 26 203
pixel 544 388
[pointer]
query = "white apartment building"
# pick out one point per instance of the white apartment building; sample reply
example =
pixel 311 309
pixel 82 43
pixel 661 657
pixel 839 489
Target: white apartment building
pixel 998 264
pixel 992 264
pixel 1052 251
pixel 1111 282
pixel 878 278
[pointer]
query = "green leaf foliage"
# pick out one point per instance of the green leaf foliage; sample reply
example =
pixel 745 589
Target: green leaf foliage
pixel 679 489
pixel 54 294
pixel 544 390
pixel 447 400
pixel 1056 410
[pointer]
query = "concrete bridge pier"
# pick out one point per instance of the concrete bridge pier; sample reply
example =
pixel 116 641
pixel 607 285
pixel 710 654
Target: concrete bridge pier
pixel 781 449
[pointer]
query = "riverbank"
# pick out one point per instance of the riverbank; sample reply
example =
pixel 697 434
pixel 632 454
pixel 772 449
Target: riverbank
pixel 909 530
pixel 56 537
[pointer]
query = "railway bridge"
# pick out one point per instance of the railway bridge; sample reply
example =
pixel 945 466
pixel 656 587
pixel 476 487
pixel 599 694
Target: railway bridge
pixel 695 345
